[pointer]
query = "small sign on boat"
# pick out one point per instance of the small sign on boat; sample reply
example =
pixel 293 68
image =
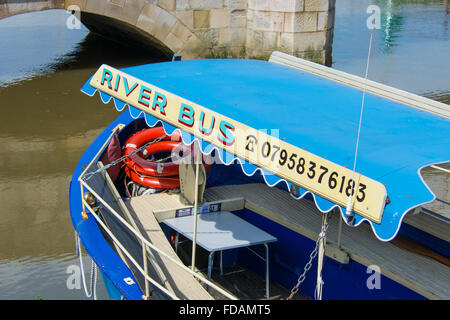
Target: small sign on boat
pixel 203 209
pixel 321 176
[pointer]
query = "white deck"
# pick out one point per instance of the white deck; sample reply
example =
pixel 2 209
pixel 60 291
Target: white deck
pixel 184 284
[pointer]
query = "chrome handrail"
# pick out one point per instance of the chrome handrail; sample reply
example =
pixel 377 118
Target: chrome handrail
pixel 144 241
pixel 147 243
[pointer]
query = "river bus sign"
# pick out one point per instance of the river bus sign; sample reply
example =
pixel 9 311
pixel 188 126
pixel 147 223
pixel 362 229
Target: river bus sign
pixel 316 174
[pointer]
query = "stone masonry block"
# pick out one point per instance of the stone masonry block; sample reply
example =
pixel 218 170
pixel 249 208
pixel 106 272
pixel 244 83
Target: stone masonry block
pixel 300 22
pixel 187 17
pixel 267 21
pixel 235 4
pixel 193 48
pixel 173 43
pixel 181 32
pixel 206 4
pixel 255 39
pixel 148 17
pixel 219 18
pixel 322 20
pixel 317 5
pixel 163 25
pixel 259 20
pixel 79 3
pixel 304 41
pixel 210 37
pixel 3 11
pixel 119 3
pixel 129 12
pixel 270 40
pixel 201 19
pixel 37 5
pixel 238 36
pixel 286 42
pixel 59 4
pixel 96 6
pixel 286 5
pixel 262 5
pixel 224 36
pixel 15 7
pixel 169 5
pixel 182 5
pixel 238 18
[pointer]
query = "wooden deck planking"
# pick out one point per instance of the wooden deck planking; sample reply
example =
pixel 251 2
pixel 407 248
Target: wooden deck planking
pixel 184 284
pixel 421 274
pixel 427 223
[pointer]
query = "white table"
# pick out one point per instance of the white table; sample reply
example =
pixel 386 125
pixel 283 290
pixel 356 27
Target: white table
pixel 223 230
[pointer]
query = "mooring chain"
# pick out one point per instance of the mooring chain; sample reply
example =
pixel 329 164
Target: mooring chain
pixel 312 256
pixel 88 175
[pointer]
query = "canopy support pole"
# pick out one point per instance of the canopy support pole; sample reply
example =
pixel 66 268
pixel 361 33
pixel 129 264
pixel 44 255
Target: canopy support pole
pixel 194 236
pixel 321 242
pixel 339 232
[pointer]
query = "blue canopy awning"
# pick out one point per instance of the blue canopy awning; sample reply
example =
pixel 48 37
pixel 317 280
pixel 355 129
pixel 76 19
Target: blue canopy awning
pixel 309 112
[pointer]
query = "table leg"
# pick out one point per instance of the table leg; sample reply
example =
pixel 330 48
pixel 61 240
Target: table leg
pixel 267 271
pixel 221 262
pixel 176 242
pixel 210 263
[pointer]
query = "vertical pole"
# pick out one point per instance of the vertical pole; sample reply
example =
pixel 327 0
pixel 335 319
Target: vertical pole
pixel 267 271
pixel 177 236
pixel 83 213
pixel 446 6
pixel 221 262
pixel 194 236
pixel 319 283
pixel 339 231
pixel 144 254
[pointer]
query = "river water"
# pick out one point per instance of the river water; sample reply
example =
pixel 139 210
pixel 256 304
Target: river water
pixel 47 122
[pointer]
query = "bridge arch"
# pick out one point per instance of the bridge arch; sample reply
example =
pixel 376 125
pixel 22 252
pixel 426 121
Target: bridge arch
pixel 139 21
pixel 206 28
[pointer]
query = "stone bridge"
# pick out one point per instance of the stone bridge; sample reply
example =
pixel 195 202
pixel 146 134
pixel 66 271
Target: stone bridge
pixel 205 28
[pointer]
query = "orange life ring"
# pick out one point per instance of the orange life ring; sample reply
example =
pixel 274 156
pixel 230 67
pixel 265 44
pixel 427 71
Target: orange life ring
pixel 162 175
pixel 138 162
pixel 161 169
pixel 153 182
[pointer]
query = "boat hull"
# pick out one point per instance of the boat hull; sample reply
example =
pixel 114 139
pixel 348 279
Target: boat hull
pixel 288 256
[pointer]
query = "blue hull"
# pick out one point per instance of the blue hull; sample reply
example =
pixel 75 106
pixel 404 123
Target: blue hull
pixel 108 262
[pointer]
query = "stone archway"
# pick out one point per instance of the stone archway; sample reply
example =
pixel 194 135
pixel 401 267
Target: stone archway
pixel 208 28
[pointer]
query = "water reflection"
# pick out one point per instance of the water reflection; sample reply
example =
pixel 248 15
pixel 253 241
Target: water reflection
pixel 410 51
pixel 391 22
pixel 47 124
pixel 44 276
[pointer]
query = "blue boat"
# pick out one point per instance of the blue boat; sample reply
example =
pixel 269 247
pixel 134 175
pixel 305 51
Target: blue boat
pixel 248 179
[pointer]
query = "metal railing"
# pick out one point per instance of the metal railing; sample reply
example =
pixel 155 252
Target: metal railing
pixel 145 243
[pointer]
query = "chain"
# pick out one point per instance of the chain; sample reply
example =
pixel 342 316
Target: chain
pixel 312 256
pixel 88 175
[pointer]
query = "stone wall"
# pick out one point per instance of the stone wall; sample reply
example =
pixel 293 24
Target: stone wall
pixel 255 28
pixel 210 28
pixel 300 27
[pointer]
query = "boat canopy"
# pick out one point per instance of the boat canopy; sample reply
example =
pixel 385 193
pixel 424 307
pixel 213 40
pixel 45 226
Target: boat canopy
pixel 295 127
